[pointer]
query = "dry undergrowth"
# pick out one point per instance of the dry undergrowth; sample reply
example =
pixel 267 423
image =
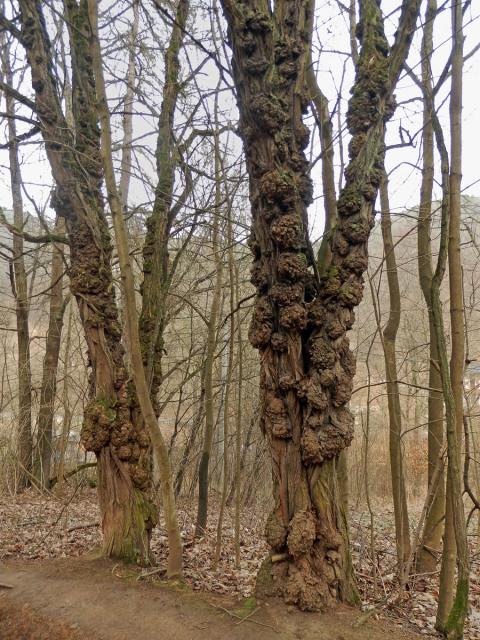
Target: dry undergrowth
pixel 36 527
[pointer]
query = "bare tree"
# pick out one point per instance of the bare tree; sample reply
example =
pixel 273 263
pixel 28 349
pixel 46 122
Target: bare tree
pixel 19 283
pixel 48 389
pixel 300 322
pixel 452 610
pixel 431 538
pixel 109 429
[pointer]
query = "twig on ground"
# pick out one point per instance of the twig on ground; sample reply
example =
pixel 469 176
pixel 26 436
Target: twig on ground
pixel 248 618
pixel 146 574
pixel 83 525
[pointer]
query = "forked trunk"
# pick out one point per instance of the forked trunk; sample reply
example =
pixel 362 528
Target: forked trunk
pixel 111 427
pixel 300 321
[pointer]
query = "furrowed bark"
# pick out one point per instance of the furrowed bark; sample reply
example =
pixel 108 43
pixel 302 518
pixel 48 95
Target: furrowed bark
pixel 299 323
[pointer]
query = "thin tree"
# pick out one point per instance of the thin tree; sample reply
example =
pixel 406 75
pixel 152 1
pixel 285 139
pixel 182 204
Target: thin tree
pixel 19 283
pixel 432 533
pixel 57 305
pixel 389 344
pixel 203 474
pixel 452 610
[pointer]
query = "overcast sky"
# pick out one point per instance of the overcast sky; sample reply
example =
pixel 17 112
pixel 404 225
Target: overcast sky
pixel 331 60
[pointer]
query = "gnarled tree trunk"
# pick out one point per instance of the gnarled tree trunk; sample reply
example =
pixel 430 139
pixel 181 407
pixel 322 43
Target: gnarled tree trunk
pixel 300 321
pixel 110 428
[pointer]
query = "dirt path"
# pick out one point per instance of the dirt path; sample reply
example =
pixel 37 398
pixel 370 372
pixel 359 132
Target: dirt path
pixel 85 598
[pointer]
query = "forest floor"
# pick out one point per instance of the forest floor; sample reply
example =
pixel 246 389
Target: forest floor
pixel 61 589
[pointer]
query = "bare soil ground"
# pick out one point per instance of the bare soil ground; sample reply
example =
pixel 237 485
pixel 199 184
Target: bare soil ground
pixel 79 598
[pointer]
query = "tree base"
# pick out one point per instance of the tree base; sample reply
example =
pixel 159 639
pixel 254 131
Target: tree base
pixel 128 515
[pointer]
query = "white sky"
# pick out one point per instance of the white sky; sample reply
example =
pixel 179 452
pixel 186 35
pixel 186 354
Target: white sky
pixel 333 35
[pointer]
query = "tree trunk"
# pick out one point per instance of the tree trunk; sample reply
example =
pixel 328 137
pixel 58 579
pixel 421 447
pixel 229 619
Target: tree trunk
pixel 452 610
pixel 237 483
pixel 324 122
pixel 174 567
pixel 157 272
pixel 182 467
pixel 400 507
pixel 20 292
pixel 127 119
pixel 67 412
pixel 433 527
pixel 228 381
pixel 50 365
pixel 300 322
pixel 243 458
pixel 202 510
pixel 109 429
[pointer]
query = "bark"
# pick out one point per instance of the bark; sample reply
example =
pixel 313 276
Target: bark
pixel 233 301
pixel 324 257
pixel 127 120
pixel 202 510
pixel 50 365
pixel 400 507
pixel 228 387
pixel 20 292
pixel 157 274
pixel 432 532
pixel 452 610
pixel 174 566
pixel 320 104
pixel 179 478
pixel 67 412
pixel 109 428
pixel 299 324
pixel 238 426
